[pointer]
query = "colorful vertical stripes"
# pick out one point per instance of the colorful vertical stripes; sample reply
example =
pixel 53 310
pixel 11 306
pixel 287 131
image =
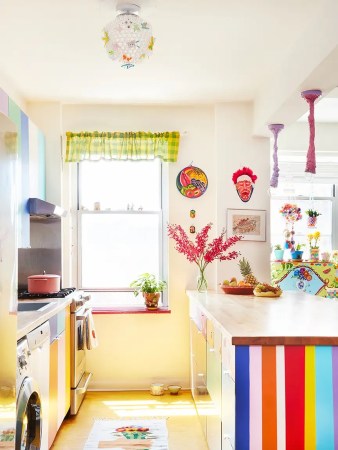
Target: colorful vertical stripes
pixel 242 392
pixel 255 399
pixel 294 397
pixel 286 398
pixel 310 398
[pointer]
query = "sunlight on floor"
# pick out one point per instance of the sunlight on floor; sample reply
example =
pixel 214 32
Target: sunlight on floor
pixel 184 429
pixel 158 408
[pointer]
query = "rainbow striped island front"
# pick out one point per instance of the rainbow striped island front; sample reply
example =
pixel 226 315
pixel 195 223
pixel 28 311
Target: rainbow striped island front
pixel 286 397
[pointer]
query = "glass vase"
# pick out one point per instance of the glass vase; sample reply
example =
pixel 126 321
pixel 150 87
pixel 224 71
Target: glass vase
pixel 202 284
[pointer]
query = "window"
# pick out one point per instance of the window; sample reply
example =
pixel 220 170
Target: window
pixel 319 197
pixel 120 227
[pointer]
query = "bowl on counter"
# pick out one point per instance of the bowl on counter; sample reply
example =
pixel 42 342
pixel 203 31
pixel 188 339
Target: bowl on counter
pixel 157 389
pixel 174 389
pixel 237 290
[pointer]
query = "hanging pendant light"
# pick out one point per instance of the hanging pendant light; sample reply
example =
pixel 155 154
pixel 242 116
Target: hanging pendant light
pixel 310 96
pixel 128 39
pixel 275 128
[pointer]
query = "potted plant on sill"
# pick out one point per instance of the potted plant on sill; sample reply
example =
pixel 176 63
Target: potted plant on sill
pixel 312 217
pixel 279 252
pixel 151 289
pixel 314 245
pixel 297 254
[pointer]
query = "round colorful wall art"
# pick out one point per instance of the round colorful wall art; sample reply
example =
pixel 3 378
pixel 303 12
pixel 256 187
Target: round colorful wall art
pixel 192 182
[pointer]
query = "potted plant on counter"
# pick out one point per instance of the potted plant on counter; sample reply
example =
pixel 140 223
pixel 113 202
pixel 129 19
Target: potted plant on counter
pixel 150 287
pixel 312 217
pixel 279 252
pixel 297 254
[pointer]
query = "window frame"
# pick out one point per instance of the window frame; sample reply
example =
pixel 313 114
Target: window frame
pixel 163 240
pixel 333 198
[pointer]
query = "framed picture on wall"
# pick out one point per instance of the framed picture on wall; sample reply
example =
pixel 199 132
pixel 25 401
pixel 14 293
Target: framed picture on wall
pixel 249 223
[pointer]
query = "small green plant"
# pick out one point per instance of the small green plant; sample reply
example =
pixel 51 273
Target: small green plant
pixel 312 213
pixel 147 283
pixel 278 247
pixel 299 247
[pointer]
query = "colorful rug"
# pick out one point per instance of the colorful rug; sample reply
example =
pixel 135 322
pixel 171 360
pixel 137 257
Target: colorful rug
pixel 128 435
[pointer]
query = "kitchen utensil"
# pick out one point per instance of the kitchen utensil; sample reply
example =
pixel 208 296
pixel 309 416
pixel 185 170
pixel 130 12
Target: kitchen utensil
pixel 44 284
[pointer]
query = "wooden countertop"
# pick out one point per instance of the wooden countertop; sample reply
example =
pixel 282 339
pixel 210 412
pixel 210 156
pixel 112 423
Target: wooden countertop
pixel 28 320
pixel 295 318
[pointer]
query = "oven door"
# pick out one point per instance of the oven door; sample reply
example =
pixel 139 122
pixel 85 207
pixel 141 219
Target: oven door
pixel 78 343
pixel 79 378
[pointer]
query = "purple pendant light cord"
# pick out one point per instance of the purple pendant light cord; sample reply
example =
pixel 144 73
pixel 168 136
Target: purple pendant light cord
pixel 310 96
pixel 275 128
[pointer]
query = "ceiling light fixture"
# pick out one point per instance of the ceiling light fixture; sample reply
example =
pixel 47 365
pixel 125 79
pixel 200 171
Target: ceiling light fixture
pixel 128 39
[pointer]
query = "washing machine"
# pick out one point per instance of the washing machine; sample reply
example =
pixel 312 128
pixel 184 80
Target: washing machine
pixel 32 387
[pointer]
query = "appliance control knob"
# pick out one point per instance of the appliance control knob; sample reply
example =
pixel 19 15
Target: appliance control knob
pixel 22 361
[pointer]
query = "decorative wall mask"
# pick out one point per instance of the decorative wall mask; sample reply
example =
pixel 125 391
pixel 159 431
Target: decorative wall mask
pixel 192 182
pixel 310 96
pixel 275 128
pixel 244 180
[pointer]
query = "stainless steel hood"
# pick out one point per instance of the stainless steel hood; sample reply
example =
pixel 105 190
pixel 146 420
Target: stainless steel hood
pixel 43 209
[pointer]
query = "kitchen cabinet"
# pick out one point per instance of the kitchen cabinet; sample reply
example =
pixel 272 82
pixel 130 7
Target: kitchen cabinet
pixel 36 162
pixel 228 393
pixel 206 376
pixel 214 386
pixel 269 364
pixel 31 164
pixel 199 372
pixel 59 381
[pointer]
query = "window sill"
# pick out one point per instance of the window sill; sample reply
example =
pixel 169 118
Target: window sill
pixel 128 310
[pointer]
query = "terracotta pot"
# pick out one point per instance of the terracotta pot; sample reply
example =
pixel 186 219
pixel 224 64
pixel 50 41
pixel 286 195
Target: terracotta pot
pixel 151 299
pixel 43 284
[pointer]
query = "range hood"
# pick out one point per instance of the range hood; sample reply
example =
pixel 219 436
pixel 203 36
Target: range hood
pixel 43 209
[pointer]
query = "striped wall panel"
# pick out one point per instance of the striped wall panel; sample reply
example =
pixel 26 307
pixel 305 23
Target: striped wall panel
pixel 286 398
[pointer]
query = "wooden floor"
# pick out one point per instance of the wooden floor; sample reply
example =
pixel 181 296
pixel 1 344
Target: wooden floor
pixel 184 430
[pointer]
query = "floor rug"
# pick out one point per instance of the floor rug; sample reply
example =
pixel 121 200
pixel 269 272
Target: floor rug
pixel 128 435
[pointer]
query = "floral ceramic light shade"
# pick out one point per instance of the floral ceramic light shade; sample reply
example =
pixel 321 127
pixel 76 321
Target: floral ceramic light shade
pixel 128 39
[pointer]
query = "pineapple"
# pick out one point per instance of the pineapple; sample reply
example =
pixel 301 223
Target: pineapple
pixel 246 272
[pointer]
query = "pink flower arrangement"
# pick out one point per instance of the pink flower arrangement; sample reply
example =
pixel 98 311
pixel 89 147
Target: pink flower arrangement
pixel 291 212
pixel 201 252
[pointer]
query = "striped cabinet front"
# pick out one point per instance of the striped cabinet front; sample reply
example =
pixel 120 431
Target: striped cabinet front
pixel 286 398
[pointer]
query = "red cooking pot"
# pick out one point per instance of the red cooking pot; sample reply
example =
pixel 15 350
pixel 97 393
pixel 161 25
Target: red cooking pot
pixel 44 284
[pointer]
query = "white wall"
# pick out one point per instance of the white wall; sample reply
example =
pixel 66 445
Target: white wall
pixel 136 350
pixel 237 148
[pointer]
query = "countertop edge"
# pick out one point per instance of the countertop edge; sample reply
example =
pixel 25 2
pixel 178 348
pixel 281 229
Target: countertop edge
pixel 29 320
pixel 259 338
pixel 284 340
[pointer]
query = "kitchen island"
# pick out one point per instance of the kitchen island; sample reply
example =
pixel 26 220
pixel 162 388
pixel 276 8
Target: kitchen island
pixel 272 365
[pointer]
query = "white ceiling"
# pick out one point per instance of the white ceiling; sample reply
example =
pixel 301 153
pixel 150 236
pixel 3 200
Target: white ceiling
pixel 205 51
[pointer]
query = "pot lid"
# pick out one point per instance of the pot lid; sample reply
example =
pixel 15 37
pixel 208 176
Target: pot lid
pixel 46 275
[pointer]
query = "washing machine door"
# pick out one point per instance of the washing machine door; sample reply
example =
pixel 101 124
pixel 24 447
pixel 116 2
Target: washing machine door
pixel 28 417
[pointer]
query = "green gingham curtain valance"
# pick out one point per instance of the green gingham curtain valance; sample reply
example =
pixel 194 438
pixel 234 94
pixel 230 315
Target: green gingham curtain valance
pixel 138 145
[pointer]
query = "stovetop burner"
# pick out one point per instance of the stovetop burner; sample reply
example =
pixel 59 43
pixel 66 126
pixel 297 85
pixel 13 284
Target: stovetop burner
pixel 61 294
